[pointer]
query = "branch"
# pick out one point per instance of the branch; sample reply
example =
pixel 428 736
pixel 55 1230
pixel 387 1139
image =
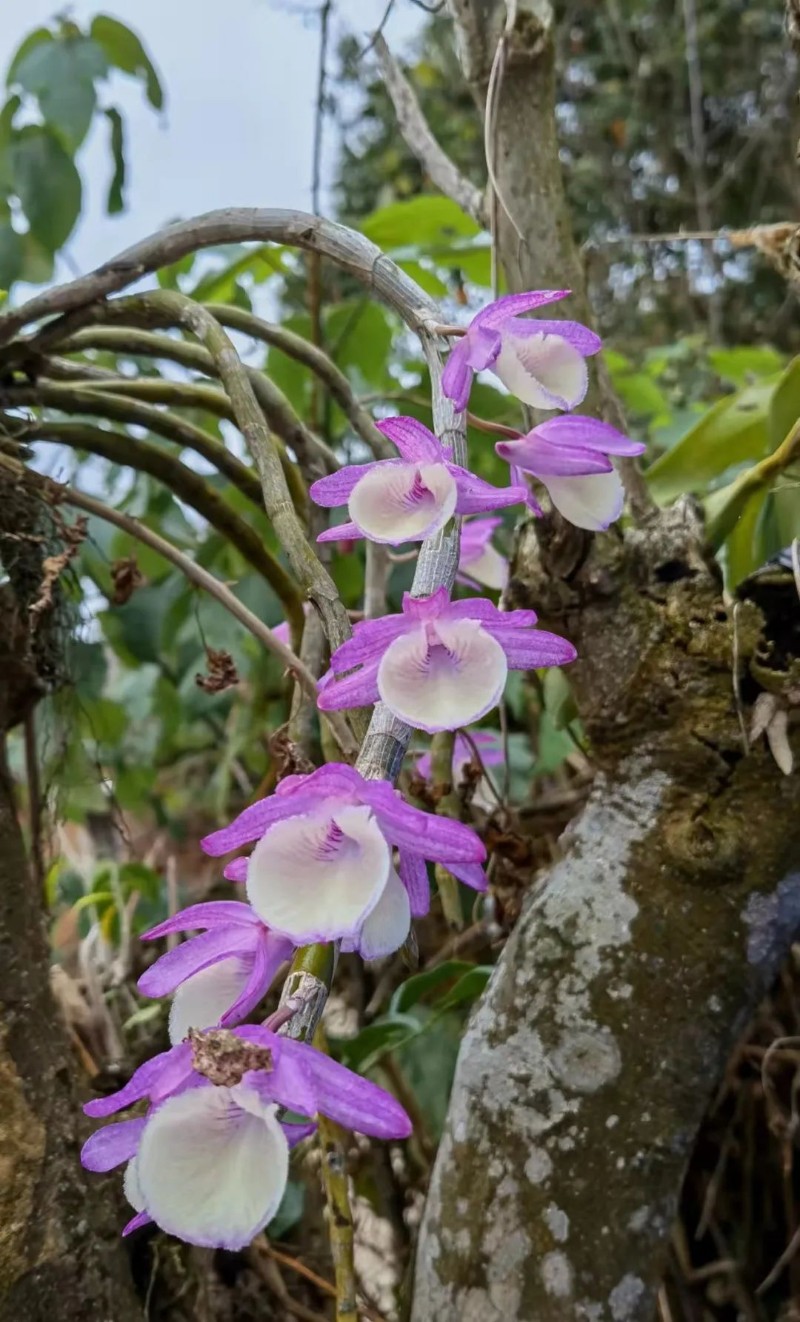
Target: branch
pixel 420 141
pixel 187 485
pixel 56 492
pixel 79 399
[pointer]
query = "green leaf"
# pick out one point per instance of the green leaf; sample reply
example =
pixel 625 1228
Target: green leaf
pixel 220 286
pixel 125 51
pixel 422 984
pixel 7 114
pixel 358 334
pixel 426 279
pixel 469 987
pixel 37 261
pixel 11 254
pixel 734 431
pixel 105 721
pixel 362 1051
pixel 115 202
pixel 420 220
pixel 47 184
pixel 39 37
pixel 290 1210
pixel 742 554
pixel 784 409
pixel 745 362
pixel 61 74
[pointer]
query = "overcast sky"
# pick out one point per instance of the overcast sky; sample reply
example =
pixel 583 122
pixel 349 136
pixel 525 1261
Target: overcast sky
pixel 240 79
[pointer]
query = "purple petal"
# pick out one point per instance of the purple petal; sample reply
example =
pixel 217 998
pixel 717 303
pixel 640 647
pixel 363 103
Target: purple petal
pixel 530 649
pixel 579 336
pixel 359 689
pixel 237 869
pixel 335 489
pixel 421 833
pixel 479 608
pixel 368 643
pixel 457 374
pixel 483 345
pixel 588 433
pixel 136 1223
pixel 478 497
pixel 476 534
pixel 112 1145
pixel 541 457
pixel 341 532
pixel 414 876
pixel 426 608
pixel 472 874
pixel 174 967
pixel 141 1084
pixel 253 822
pixel 270 954
pixel 351 1101
pixel 511 305
pixel 211 913
pixel 413 440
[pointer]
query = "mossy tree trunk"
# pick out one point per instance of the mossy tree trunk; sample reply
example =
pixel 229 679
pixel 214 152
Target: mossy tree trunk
pixel 60 1257
pixel 588 1064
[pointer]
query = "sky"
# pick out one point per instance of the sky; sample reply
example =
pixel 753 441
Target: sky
pixel 240 80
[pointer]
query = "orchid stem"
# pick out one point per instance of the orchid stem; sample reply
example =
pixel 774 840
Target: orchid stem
pixel 447 805
pixel 333 1143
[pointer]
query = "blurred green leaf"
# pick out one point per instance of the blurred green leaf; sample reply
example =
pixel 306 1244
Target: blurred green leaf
pixel 61 74
pixel 39 37
pixel 422 984
pixel 47 184
pixel 115 201
pixel 420 220
pixel 37 261
pixel 784 408
pixel 361 1052
pixel 7 114
pixel 124 51
pixel 742 553
pixel 11 254
pixel 740 364
pixel 290 1210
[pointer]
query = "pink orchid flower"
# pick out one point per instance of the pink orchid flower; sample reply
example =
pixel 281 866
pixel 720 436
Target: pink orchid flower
pixel 488 743
pixel 210 1163
pixel 481 564
pixel 410 498
pixel 541 362
pixel 322 868
pixel 570 457
pixel 441 664
pixel 220 976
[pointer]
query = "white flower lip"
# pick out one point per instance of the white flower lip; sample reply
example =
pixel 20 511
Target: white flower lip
pixel 443 677
pixel 403 502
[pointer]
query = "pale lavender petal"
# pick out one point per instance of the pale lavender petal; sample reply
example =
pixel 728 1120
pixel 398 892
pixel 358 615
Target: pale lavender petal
pixel 400 502
pixel 477 497
pixel 202 1000
pixel 236 870
pixel 211 913
pixel 543 371
pixel 288 1082
pixel 341 532
pixel 348 1099
pixel 336 488
pixel 574 332
pixel 359 689
pixel 489 569
pixel 443 681
pixel 588 433
pixel 136 1223
pixel 476 534
pixel 426 608
pixel 478 608
pixel 253 822
pixel 271 952
pixel 172 968
pixel 138 1086
pixel 212 1166
pixel 483 346
pixel 457 374
pixel 387 927
pixel 535 455
pixel 282 632
pixel 591 502
pixel 413 440
pixel 315 878
pixel 368 643
pixel 422 833
pixel 414 876
pixel 511 305
pixel 296 1133
pixel 112 1145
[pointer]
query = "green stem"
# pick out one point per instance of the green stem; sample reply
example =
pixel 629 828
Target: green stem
pixel 448 804
pixel 333 1145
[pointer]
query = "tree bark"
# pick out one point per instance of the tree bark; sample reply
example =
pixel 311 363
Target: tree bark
pixel 60 1257
pixel 587 1066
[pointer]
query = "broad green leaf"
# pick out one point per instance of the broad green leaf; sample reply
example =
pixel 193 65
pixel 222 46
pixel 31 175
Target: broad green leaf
pixel 125 51
pixel 7 114
pixel 105 721
pixel 88 665
pixel 469 987
pixel 732 432
pixel 11 254
pixel 362 1051
pixel 421 985
pixel 358 335
pixel 727 505
pixel 745 362
pixel 742 554
pixel 39 37
pixel 641 395
pixel 61 75
pixel 420 220
pixel 115 201
pixel 219 286
pixel 426 279
pixel 427 1062
pixel 47 184
pixel 784 409
pixel 785 498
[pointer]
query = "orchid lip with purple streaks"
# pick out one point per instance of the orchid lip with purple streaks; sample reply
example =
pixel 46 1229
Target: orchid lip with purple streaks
pixel 440 665
pixel 209 1163
pixel 541 362
pixel 569 455
pixel 407 499
pixel 322 868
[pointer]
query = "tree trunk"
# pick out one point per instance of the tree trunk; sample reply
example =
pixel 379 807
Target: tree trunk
pixel 60 1258
pixel 587 1066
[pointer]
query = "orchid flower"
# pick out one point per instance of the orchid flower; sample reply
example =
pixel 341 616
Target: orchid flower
pixel 219 977
pixel 441 664
pixel 541 362
pixel 488 745
pixel 570 457
pixel 479 561
pixel 322 866
pixel 410 498
pixel 209 1161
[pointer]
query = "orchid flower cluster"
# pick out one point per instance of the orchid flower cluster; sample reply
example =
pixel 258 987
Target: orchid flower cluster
pixel 336 857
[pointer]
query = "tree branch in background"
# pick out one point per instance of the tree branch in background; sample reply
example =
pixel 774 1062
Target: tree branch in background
pixel 420 140
pixel 56 493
